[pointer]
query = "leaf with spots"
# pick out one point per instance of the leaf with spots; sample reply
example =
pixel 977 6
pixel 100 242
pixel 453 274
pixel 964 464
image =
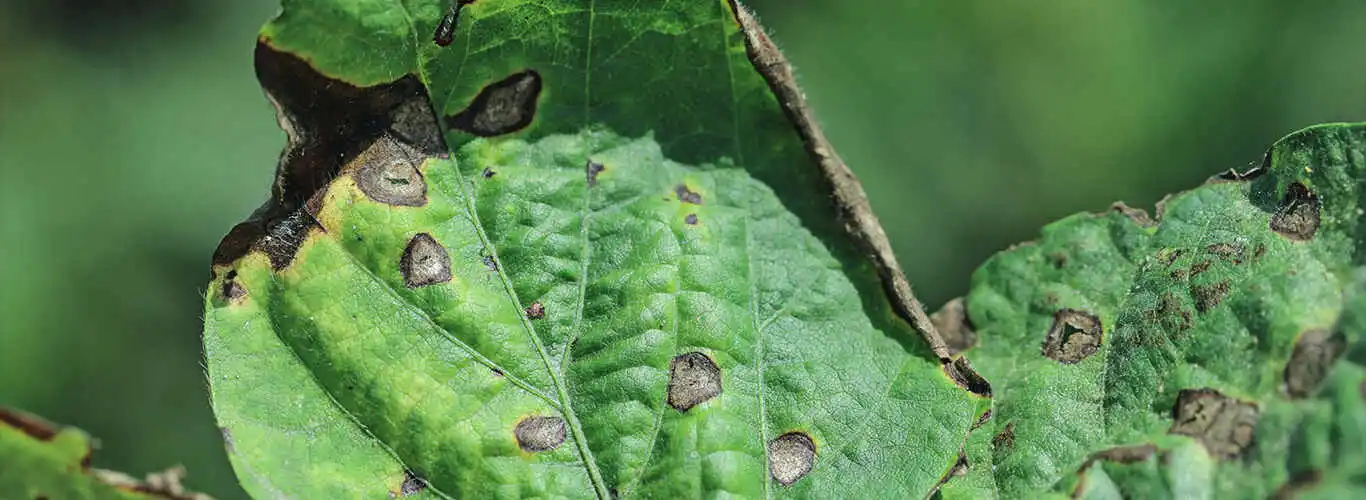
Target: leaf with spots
pixel 41 460
pixel 565 249
pixel 1195 354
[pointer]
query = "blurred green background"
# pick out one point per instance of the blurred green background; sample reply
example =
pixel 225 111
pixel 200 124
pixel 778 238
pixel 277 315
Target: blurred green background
pixel 133 135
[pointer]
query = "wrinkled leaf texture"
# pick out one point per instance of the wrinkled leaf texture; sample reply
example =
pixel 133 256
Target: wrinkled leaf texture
pixel 598 249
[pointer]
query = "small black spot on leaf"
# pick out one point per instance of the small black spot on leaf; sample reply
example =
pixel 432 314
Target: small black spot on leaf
pixel 690 219
pixel 424 262
pixel 687 195
pixel 1222 424
pixel 953 324
pixel 1297 218
pixel 1074 336
pixel 790 457
pixel 1199 267
pixel 536 434
pixel 591 169
pixel 505 106
pixel 693 379
pixel 489 263
pixel 960 372
pixel 387 173
pixel 489 173
pixel 535 310
pixel 1314 354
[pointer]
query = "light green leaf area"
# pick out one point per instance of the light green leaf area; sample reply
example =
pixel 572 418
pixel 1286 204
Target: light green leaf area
pixel 49 463
pixel 641 291
pixel 1191 356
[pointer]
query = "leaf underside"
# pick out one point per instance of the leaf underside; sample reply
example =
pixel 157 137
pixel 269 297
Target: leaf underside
pixel 598 249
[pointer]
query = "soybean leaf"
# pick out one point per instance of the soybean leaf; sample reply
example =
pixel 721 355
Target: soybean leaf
pixel 1195 354
pixel 574 249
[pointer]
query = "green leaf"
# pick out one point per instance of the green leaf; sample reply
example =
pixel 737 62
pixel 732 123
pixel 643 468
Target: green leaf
pixel 589 249
pixel 40 460
pixel 1182 357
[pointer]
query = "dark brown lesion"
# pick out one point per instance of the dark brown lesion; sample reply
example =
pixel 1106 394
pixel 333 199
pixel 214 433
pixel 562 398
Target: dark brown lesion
pixel 687 195
pixel 1005 439
pixel 502 107
pixel 1297 217
pixel 1074 336
pixel 535 310
pixel 1207 297
pixel 328 123
pixel 412 484
pixel 693 379
pixel 231 290
pixel 960 371
pixel 1224 425
pixel 1315 352
pixel 591 169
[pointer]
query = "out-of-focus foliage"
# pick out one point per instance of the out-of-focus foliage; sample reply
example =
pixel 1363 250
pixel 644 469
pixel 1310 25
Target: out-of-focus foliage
pixel 132 137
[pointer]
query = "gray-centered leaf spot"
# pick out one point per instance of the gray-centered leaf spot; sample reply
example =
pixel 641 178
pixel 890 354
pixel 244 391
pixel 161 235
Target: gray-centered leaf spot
pixel 387 173
pixel 536 434
pixel 424 262
pixel 1315 352
pixel 790 457
pixel 1074 336
pixel 1221 423
pixel 693 379
pixel 505 106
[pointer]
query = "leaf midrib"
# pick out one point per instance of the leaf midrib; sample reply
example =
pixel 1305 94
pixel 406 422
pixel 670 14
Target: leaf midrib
pixel 556 378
